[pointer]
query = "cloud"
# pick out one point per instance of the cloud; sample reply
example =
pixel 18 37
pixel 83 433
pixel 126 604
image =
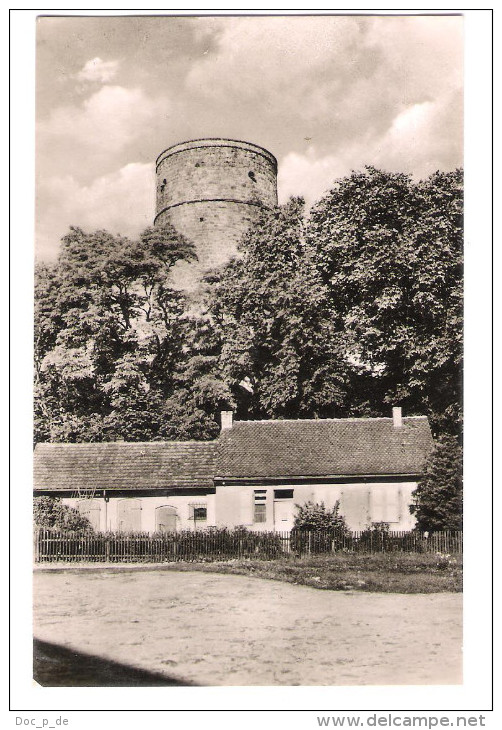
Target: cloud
pixel 326 95
pixel 259 57
pixel 334 78
pixel 423 54
pixel 98 70
pixel 105 122
pixel 421 139
pixel 306 175
pixel 104 132
pixel 121 202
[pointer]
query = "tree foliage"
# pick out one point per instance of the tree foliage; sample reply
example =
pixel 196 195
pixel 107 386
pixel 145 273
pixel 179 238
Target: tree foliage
pixel 110 337
pixel 437 500
pixel 269 311
pixel 390 252
pixel 49 512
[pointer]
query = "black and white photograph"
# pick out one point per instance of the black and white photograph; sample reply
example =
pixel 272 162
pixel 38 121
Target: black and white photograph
pixel 248 360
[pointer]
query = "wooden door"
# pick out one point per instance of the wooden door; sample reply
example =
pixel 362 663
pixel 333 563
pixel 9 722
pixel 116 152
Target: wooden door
pixel 129 515
pixel 283 515
pixel 91 509
pixel 165 519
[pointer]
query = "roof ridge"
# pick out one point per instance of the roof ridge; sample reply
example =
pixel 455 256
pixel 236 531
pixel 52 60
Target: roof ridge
pixel 323 420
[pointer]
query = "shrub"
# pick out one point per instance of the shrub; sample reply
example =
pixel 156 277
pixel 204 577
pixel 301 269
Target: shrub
pixel 444 561
pixel 375 536
pixel 315 516
pixel 49 512
pixel 317 529
pixel 221 543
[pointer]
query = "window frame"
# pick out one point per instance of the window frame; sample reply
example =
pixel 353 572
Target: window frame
pixel 192 507
pixel 260 502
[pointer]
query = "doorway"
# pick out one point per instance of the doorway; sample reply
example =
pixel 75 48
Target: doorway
pixel 129 515
pixel 165 519
pixel 283 510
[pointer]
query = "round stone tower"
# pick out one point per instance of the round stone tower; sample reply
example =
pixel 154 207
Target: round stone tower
pixel 211 190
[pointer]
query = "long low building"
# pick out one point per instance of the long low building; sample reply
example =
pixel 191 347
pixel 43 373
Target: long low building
pixel 255 474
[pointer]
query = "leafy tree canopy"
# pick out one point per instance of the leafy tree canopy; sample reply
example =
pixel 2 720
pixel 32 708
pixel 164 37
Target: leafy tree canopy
pixel 109 335
pixel 270 314
pixel 390 253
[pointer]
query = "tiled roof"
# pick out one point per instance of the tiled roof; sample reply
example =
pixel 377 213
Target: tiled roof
pixel 252 449
pixel 124 465
pixel 327 447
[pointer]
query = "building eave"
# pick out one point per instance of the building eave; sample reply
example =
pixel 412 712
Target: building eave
pixel 126 492
pixel 314 479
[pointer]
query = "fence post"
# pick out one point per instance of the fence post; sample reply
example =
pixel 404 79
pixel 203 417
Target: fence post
pixel 107 549
pixel 36 546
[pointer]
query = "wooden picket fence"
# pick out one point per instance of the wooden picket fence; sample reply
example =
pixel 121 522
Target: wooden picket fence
pixel 215 544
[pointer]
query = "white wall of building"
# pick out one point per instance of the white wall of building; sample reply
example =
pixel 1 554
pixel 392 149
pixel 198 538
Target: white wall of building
pixel 106 515
pixel 360 504
pixel 234 505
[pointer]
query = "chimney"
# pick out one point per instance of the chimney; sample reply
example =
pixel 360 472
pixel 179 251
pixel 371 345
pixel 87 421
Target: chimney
pixel 226 419
pixel 397 417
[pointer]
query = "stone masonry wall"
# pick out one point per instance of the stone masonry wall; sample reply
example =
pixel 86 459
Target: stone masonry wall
pixel 211 190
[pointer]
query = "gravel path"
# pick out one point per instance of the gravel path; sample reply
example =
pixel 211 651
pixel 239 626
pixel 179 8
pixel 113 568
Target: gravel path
pixel 211 629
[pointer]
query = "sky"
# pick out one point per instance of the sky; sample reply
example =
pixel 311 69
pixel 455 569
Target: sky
pixel 326 95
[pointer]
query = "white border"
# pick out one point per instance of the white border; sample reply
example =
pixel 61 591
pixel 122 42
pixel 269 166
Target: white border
pixel 475 694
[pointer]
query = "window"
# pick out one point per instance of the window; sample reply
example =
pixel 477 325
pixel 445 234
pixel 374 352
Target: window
pixel 198 512
pixel 260 505
pixel 283 493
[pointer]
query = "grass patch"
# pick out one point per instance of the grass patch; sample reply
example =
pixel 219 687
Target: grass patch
pixel 383 573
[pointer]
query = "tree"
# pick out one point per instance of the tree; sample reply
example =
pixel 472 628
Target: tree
pixel 269 312
pixel 109 336
pixel 49 512
pixel 345 312
pixel 437 500
pixel 390 253
pixel 192 410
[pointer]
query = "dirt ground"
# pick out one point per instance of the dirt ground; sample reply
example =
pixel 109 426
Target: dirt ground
pixel 210 629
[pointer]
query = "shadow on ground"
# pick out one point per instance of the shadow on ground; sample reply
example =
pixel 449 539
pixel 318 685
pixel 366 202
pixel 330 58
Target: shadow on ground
pixel 56 666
